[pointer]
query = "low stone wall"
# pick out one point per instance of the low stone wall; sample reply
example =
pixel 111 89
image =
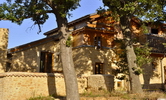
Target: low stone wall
pixel 100 82
pixel 23 85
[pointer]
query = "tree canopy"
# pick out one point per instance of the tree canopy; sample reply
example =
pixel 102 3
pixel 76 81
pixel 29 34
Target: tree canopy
pixel 38 10
pixel 151 10
pixel 123 11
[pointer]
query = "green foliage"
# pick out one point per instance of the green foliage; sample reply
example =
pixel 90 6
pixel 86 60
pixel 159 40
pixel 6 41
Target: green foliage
pixel 41 98
pixel 143 54
pixel 38 10
pixel 137 71
pixel 164 44
pixel 142 57
pixel 144 28
pixel 122 61
pixel 150 10
pixel 147 10
pixel 69 41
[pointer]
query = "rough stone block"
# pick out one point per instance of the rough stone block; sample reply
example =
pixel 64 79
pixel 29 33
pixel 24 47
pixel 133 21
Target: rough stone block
pixel 100 82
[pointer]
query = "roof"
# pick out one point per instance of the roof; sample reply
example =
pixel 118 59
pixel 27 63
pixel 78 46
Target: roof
pixel 86 17
pixel 47 39
pixel 34 43
pixel 69 24
pixel 94 30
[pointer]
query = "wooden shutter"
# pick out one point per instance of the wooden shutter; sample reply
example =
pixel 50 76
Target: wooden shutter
pixel 46 62
pixel 99 68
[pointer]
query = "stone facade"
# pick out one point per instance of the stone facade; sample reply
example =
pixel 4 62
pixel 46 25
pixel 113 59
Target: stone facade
pixel 23 85
pixel 3 48
pixel 153 77
pixel 86 57
pixel 28 60
pixel 100 82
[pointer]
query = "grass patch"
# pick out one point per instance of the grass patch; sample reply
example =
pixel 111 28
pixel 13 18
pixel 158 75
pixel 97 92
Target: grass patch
pixel 102 93
pixel 41 98
pixel 121 94
pixel 153 95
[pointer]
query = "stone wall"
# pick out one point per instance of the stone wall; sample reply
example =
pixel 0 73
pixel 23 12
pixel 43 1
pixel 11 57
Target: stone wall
pixel 100 82
pixel 85 58
pixel 23 85
pixel 3 48
pixel 28 59
pixel 153 76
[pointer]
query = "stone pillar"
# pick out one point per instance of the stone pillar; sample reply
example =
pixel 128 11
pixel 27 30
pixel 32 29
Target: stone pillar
pixel 3 48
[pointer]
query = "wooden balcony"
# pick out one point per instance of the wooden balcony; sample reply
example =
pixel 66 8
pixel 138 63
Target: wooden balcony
pixel 156 42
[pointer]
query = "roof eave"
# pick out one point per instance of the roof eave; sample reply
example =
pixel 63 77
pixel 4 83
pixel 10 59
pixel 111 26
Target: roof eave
pixel 69 24
pixel 33 44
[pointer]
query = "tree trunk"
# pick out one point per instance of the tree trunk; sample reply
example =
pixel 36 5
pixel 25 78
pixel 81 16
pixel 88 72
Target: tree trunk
pixel 69 72
pixel 67 60
pixel 135 84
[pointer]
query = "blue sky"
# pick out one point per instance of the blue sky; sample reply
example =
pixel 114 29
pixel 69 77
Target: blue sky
pixel 25 33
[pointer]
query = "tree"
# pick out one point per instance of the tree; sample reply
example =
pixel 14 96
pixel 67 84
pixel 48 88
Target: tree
pixel 142 52
pixel 38 10
pixel 123 11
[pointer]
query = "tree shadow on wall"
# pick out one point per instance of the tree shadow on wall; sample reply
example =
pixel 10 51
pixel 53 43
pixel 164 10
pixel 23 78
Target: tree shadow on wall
pixel 82 60
pixel 51 83
pixel 27 62
pixel 150 72
pixel 85 59
pixel 109 82
pixel 23 61
pixel 3 59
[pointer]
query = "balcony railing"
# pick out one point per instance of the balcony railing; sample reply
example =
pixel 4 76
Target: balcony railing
pixel 156 42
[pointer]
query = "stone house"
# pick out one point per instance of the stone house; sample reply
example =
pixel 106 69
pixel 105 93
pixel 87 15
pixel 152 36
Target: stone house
pixel 92 47
pixel 93 51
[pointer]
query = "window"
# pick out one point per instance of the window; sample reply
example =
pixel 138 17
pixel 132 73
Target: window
pixel 46 62
pixel 119 84
pixel 98 42
pixel 154 31
pixel 98 68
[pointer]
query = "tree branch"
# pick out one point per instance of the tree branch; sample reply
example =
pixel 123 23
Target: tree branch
pixel 26 17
